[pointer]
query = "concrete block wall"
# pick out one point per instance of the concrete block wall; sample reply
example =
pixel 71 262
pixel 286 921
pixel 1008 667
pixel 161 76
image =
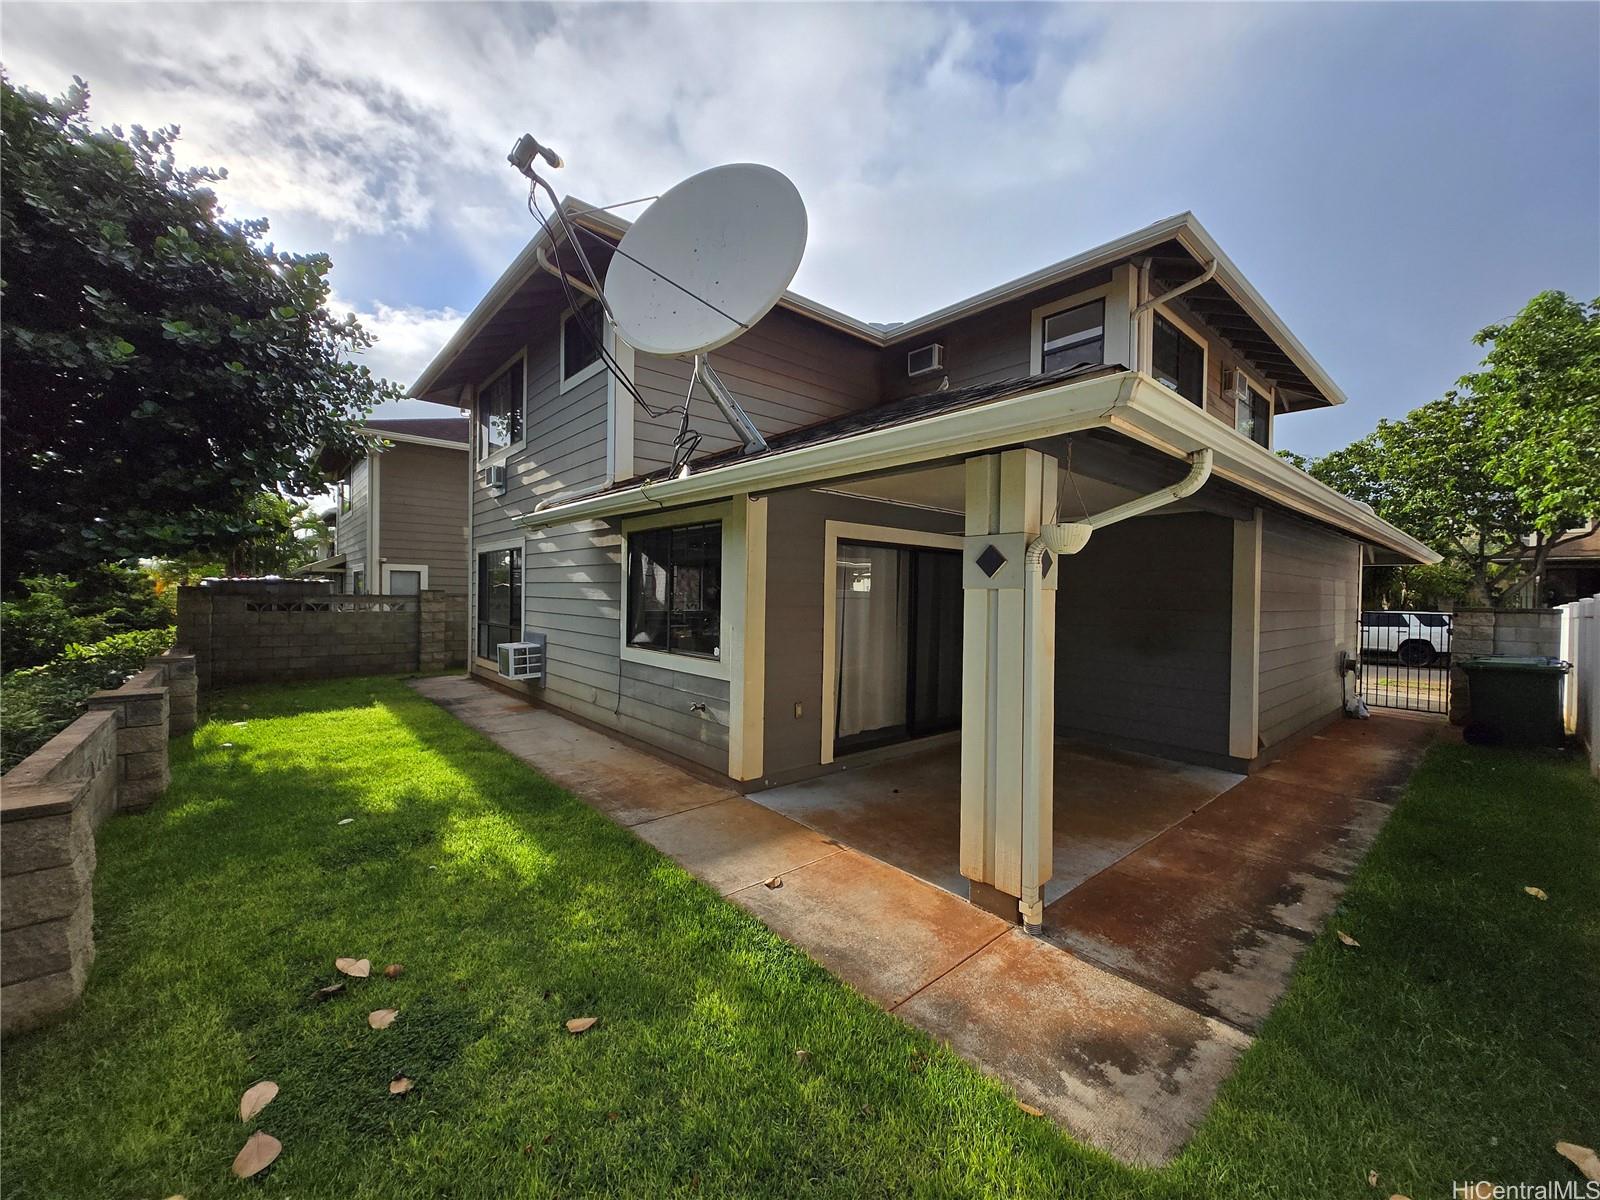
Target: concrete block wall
pixel 248 632
pixel 1509 632
pixel 442 631
pixel 113 758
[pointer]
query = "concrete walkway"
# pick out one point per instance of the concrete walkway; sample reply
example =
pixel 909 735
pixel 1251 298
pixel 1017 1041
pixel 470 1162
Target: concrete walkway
pixel 1088 1025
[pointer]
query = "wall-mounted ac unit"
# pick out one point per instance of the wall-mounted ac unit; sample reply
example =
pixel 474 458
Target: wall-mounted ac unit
pixel 925 358
pixel 494 478
pixel 522 660
pixel 1235 384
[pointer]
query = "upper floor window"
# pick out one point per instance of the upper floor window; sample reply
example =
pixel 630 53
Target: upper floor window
pixel 1253 417
pixel 581 331
pixel 1074 337
pixel 675 589
pixel 344 494
pixel 1179 361
pixel 500 411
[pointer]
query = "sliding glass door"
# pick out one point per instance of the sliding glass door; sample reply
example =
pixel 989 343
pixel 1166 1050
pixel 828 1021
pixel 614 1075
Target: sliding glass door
pixel 898 642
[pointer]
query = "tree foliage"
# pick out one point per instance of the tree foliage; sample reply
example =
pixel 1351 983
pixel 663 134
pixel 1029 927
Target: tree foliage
pixel 1502 469
pixel 163 365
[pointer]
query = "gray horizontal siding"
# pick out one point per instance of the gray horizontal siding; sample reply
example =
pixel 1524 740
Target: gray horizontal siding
pixel 1143 634
pixel 1310 604
pixel 572 575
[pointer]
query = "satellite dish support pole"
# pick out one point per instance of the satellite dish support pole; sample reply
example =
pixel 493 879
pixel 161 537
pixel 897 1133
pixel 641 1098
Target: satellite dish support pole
pixel 754 443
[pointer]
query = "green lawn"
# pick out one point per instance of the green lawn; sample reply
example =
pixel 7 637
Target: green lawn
pixel 1458 1042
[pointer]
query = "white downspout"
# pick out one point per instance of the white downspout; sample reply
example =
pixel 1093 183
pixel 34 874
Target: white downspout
pixel 1146 305
pixel 1063 539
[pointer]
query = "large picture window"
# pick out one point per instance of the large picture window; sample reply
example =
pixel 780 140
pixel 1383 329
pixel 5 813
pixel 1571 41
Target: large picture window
pixel 1179 361
pixel 499 599
pixel 500 411
pixel 675 590
pixel 1075 337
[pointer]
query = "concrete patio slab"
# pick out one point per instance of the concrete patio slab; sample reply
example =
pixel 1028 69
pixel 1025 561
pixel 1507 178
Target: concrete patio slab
pixel 1121 1067
pixel 1188 896
pixel 906 811
pixel 880 930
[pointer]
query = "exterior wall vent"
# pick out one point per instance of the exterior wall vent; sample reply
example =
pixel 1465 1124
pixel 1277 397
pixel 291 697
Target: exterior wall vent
pixel 522 660
pixel 494 478
pixel 925 359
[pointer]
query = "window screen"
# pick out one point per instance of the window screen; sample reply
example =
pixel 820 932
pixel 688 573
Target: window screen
pixel 1178 361
pixel 675 590
pixel 500 411
pixel 1074 337
pixel 1253 417
pixel 580 339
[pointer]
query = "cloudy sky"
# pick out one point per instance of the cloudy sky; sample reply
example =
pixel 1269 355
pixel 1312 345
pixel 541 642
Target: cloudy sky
pixel 1391 177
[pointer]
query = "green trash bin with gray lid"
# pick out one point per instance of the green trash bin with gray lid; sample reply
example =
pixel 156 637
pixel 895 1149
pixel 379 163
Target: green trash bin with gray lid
pixel 1515 701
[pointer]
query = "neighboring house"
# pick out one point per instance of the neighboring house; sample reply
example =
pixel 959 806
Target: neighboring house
pixel 1571 572
pixel 867 581
pixel 400 514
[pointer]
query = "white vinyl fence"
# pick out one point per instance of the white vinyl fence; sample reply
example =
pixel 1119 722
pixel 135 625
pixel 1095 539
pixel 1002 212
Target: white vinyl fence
pixel 1580 645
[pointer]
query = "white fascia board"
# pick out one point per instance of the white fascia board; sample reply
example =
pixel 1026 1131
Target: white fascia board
pixel 1128 403
pixel 412 439
pixel 1204 247
pixel 1100 256
pixel 1044 413
pixel 1161 418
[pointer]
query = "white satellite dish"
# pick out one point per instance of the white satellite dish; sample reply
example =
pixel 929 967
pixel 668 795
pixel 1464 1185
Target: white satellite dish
pixel 707 260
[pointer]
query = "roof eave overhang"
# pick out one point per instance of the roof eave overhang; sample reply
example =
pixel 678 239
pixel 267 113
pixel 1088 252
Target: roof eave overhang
pixel 1128 403
pixel 412 439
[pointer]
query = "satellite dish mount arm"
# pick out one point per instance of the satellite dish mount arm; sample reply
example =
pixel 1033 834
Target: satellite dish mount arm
pixel 754 443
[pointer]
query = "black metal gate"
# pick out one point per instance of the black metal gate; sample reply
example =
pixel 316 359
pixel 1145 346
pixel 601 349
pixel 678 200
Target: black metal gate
pixel 1405 660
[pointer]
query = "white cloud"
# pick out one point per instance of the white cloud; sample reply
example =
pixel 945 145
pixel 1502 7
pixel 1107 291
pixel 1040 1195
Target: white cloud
pixel 406 337
pixel 911 131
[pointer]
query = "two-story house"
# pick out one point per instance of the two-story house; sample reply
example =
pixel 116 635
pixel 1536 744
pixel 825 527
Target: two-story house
pixel 1051 510
pixel 400 509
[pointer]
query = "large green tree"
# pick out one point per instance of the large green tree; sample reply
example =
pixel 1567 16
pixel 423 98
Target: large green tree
pixel 163 365
pixel 1504 468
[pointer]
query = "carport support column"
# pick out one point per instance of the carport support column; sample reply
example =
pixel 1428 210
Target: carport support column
pixel 1008 684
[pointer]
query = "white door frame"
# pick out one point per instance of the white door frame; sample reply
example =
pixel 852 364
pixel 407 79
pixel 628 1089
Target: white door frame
pixel 833 533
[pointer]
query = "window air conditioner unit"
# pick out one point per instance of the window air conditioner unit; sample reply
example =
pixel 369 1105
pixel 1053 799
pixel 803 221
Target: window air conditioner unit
pixel 522 660
pixel 494 478
pixel 925 358
pixel 1235 384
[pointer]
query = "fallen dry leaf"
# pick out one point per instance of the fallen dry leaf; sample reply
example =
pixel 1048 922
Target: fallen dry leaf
pixel 257 1155
pixel 1581 1157
pixel 348 821
pixel 393 971
pixel 1537 893
pixel 1372 1179
pixel 257 1097
pixel 803 1055
pixel 1030 1109
pixel 579 1024
pixel 329 992
pixel 356 968
pixel 400 1085
pixel 382 1018
pixel 1346 938
pixel 775 881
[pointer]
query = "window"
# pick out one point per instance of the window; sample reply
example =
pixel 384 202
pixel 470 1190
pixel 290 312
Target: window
pixel 344 495
pixel 500 411
pixel 1178 361
pixel 404 579
pixel 1432 620
pixel 499 599
pixel 358 582
pixel 581 331
pixel 1253 416
pixel 1075 336
pixel 675 590
pixel 1383 620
